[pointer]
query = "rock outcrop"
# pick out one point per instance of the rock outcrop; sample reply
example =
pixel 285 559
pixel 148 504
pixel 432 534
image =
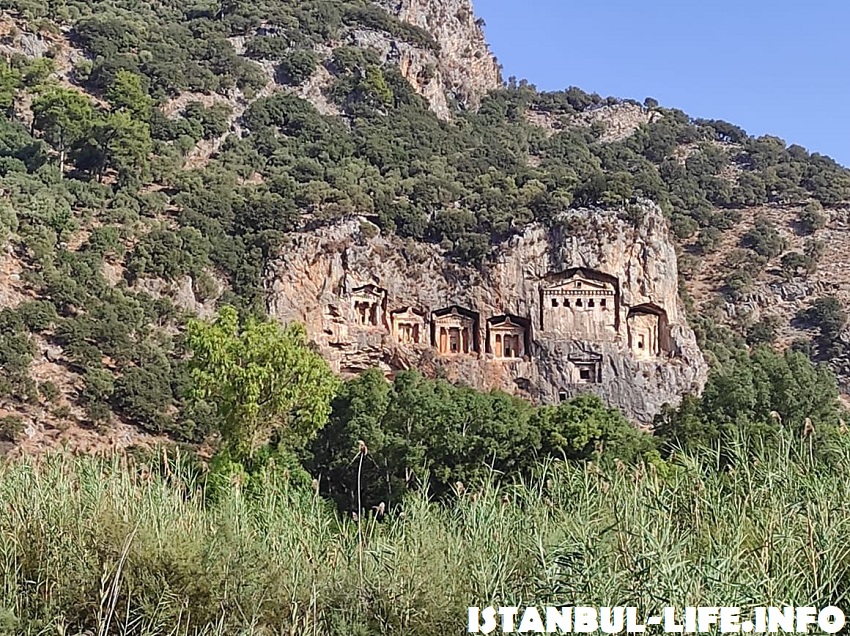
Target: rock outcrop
pixel 589 304
pixel 463 68
pixel 617 121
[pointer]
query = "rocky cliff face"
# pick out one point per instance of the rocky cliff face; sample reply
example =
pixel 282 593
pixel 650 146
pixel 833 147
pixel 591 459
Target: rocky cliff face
pixel 590 304
pixel 464 68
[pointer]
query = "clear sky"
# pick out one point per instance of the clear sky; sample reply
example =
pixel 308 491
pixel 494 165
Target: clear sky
pixel 777 67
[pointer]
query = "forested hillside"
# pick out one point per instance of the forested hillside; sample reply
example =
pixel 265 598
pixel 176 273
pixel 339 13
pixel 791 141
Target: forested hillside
pixel 153 157
pixel 156 157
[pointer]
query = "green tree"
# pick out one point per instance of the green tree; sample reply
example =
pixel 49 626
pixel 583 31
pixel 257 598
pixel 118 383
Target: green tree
pixel 584 428
pixel 296 67
pixel 812 218
pixel 763 331
pixel 64 117
pixel 814 250
pixel 795 264
pixel 264 380
pixel 16 351
pixel 830 318
pixel 36 71
pixel 10 82
pixel 214 121
pixel 127 93
pixel 708 240
pixel 764 238
pixel 374 86
pixel 828 314
pixel 121 142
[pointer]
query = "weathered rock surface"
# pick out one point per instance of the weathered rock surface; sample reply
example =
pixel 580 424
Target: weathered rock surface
pixel 182 293
pixel 317 278
pixel 419 66
pixel 618 121
pixel 463 67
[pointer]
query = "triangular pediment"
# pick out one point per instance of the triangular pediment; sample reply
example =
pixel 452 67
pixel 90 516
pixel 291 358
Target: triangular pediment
pixel 453 316
pixel 368 290
pixel 578 283
pixel 455 312
pixel 507 326
pixel 506 323
pixel 406 313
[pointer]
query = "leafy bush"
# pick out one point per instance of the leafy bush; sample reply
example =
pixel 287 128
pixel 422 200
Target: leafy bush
pixel 828 316
pixel 214 121
pixel 16 351
pixel 296 67
pixel 764 238
pixel 269 47
pixel 37 315
pixel 429 435
pixel 764 331
pixel 796 264
pixel 812 218
pixel 11 427
pixel 167 254
pixel 709 240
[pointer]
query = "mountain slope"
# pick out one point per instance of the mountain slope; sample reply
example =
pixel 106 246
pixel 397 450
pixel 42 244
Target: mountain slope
pixel 157 156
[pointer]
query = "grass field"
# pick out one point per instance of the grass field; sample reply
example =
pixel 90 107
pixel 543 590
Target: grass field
pixel 121 547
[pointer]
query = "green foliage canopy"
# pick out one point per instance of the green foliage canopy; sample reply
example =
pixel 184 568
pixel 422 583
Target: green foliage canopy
pixel 430 435
pixel 262 378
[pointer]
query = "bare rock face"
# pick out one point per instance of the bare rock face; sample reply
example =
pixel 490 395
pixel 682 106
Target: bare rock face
pixel 618 121
pixel 420 67
pixel 590 304
pixel 464 66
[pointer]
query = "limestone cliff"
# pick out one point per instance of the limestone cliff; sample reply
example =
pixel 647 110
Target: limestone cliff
pixel 590 304
pixel 463 68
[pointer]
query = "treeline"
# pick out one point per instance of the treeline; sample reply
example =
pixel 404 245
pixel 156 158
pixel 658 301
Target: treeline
pixel 429 434
pixel 369 443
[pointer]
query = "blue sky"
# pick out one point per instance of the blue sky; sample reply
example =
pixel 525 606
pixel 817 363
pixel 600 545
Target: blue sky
pixel 779 68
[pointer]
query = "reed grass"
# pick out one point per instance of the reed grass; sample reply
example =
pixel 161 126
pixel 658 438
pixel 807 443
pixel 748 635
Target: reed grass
pixel 106 546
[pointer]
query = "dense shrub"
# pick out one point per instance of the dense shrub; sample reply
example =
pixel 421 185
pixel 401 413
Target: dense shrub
pixel 214 121
pixel 764 238
pixel 757 394
pixel 11 428
pixel 812 218
pixel 796 264
pixel 829 317
pixel 296 67
pixel 16 351
pixel 429 435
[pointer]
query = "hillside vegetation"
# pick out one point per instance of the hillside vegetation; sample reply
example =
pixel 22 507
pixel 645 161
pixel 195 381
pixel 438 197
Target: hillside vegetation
pixel 102 218
pixel 118 225
pixel 155 156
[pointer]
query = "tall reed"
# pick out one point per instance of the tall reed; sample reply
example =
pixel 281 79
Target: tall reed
pixel 111 547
